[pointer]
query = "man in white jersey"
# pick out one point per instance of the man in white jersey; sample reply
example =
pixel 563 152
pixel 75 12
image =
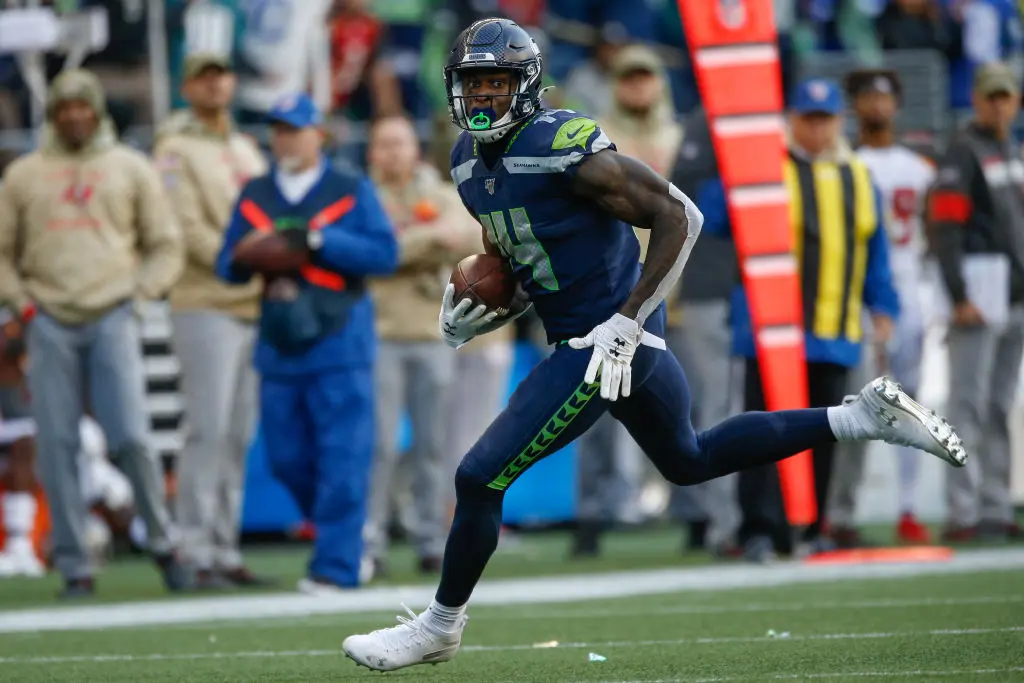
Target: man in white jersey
pixel 286 42
pixel 903 177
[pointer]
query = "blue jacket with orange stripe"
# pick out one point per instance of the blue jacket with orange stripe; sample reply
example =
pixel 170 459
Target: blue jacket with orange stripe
pixel 320 318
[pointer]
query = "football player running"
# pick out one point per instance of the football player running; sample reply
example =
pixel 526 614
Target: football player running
pixel 557 201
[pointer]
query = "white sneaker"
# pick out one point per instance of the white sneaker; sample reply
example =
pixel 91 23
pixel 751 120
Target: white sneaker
pixel 411 642
pixel 890 415
pixel 20 562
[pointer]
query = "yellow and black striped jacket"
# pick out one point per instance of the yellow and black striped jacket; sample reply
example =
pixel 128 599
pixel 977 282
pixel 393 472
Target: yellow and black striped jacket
pixel 841 251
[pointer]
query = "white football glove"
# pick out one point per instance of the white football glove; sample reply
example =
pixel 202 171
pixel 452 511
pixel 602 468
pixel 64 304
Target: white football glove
pixel 614 341
pixel 457 323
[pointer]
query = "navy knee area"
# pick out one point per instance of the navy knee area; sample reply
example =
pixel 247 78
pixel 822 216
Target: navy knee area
pixel 470 485
pixel 689 465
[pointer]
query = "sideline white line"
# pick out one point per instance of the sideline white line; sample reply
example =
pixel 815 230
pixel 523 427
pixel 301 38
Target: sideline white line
pixel 539 590
pixel 521 613
pixel 263 654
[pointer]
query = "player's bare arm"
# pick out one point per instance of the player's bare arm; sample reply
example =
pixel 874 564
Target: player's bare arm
pixel 632 192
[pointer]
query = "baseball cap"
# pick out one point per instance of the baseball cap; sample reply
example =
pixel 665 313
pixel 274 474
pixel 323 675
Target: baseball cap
pixel 817 95
pixel 637 58
pixel 994 78
pixel 297 110
pixel 197 61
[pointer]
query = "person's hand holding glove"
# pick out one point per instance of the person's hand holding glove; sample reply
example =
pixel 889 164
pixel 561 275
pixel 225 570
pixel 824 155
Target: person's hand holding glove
pixel 614 341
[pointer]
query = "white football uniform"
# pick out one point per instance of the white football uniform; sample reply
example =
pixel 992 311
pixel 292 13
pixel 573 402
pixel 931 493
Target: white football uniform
pixel 287 42
pixel 903 178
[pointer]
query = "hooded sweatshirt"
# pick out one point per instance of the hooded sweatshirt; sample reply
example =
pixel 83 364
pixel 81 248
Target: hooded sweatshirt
pixel 82 231
pixel 203 172
pixel 434 232
pixel 653 138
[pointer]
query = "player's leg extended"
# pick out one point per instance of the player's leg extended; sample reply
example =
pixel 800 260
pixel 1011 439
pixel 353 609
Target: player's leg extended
pixel 661 404
pixel 549 409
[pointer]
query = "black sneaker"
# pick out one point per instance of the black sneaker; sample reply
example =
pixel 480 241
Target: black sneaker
pixel 430 565
pixel 208 580
pixel 380 568
pixel 586 540
pixel 78 588
pixel 177 578
pixel 243 577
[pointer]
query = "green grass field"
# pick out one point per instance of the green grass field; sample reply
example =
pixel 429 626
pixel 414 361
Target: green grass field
pixel 953 628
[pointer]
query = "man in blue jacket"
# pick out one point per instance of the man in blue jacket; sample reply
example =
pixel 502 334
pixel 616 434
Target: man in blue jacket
pixel 316 334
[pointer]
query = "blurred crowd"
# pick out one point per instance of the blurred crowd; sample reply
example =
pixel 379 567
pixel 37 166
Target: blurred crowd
pixel 148 142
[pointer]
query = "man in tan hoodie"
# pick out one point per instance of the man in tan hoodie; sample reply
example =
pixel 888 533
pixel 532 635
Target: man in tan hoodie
pixel 642 123
pixel 85 232
pixel 414 367
pixel 205 163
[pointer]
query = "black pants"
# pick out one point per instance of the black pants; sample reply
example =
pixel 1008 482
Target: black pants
pixel 760 496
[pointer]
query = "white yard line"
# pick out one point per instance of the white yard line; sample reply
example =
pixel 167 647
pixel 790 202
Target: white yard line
pixel 541 590
pixel 525 613
pixel 608 644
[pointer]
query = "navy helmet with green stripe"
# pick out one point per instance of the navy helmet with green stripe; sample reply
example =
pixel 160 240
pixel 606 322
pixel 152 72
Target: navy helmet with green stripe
pixel 494 44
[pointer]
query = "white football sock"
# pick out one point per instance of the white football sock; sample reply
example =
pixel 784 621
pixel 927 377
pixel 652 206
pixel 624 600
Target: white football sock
pixel 444 619
pixel 845 423
pixel 19 514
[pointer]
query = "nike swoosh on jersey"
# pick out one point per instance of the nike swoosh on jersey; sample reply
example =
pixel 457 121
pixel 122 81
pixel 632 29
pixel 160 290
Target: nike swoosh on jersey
pixel 572 136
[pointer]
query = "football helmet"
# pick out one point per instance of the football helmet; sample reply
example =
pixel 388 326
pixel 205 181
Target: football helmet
pixel 494 44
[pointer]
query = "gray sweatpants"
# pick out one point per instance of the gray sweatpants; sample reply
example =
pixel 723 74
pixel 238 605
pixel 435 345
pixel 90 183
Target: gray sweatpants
pixel 703 346
pixel 100 362
pixel 984 370
pixel 483 373
pixel 413 376
pixel 609 470
pixel 220 390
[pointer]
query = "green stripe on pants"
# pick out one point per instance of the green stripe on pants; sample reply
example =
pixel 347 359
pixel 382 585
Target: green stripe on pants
pixel 548 434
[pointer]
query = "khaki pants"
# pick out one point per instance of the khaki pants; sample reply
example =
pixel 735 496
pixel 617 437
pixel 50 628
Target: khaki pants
pixel 220 390
pixel 413 376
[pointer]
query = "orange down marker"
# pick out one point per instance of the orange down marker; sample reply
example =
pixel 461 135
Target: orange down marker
pixel 732 47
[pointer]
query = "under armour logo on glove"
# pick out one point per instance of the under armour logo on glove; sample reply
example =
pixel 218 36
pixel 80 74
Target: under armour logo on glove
pixel 457 323
pixel 614 342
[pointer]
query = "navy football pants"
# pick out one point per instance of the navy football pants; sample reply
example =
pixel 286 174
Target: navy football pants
pixel 318 433
pixel 553 406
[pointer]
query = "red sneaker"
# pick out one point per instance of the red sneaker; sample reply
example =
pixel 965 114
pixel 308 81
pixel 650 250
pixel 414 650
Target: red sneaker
pixel 911 531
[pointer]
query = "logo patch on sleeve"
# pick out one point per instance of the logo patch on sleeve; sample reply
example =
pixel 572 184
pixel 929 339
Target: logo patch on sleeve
pixel 574 132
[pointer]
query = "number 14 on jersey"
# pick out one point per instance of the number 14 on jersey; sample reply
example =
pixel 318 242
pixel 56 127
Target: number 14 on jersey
pixel 521 245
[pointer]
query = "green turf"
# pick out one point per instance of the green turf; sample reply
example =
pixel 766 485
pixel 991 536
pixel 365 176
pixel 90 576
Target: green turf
pixel 961 629
pixel 541 553
pixel 532 554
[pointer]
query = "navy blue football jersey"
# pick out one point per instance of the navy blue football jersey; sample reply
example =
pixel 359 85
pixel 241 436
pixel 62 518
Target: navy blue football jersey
pixel 577 263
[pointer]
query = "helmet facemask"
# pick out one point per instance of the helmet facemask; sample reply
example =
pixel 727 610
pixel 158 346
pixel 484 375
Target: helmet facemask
pixel 483 123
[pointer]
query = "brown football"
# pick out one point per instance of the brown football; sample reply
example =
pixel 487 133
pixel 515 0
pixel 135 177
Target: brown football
pixel 486 280
pixel 269 253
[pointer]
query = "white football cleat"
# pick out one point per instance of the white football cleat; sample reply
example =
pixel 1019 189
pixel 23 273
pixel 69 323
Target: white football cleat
pixel 892 416
pixel 20 560
pixel 410 643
